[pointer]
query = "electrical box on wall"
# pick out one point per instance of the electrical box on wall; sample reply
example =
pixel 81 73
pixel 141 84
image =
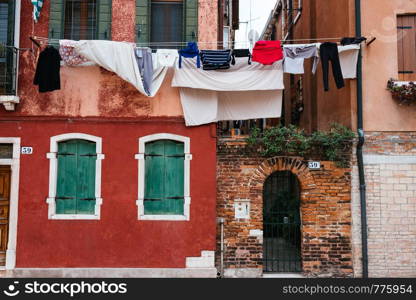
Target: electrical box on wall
pixel 242 208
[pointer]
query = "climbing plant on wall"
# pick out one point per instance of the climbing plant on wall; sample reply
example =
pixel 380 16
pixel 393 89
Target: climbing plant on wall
pixel 333 145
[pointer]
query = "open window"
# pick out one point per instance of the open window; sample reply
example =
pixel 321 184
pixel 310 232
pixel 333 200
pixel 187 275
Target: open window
pixel 165 23
pixel 80 19
pixel 9 41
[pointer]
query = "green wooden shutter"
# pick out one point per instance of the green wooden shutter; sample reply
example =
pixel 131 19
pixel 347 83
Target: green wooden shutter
pixel 10 22
pixel 191 20
pixel 56 19
pixel 104 20
pixel 174 177
pixel 75 193
pixel 143 21
pixel 66 191
pixel 86 160
pixel 164 178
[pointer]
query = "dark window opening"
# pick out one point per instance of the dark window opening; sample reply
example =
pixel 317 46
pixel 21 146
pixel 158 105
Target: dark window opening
pixel 8 55
pixel 80 19
pixel 166 24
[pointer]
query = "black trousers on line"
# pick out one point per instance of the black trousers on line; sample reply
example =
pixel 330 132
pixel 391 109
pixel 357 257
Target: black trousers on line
pixel 329 52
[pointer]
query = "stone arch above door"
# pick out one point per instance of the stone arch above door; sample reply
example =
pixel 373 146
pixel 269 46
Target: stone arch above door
pixel 294 164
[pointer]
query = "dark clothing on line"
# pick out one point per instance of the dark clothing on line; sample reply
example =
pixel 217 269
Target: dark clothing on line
pixel 215 59
pixel 47 75
pixel 190 51
pixel 241 53
pixel 329 52
pixel 352 40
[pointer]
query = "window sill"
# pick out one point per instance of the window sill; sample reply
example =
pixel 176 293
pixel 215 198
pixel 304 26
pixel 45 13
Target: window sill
pixel 401 83
pixel 9 102
pixel 74 217
pixel 163 218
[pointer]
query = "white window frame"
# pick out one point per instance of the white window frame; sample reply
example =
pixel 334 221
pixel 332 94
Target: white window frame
pixel 53 176
pixel 187 171
pixel 14 164
pixel 8 101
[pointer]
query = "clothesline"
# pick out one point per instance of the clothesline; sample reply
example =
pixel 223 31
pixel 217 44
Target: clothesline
pixel 181 43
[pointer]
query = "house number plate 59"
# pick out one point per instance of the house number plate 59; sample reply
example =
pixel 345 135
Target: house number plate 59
pixel 314 165
pixel 27 150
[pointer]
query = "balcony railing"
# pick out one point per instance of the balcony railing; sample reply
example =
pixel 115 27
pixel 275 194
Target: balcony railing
pixel 8 70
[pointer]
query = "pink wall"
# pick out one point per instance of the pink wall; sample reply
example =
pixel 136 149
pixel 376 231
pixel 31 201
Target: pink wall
pixel 118 239
pixel 92 91
pixel 382 112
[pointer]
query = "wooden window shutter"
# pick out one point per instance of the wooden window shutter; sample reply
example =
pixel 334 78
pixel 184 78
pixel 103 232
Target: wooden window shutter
pixel 406 42
pixel 75 192
pixel 86 160
pixel 143 21
pixel 164 178
pixel 66 190
pixel 191 20
pixel 56 19
pixel 104 19
pixel 174 177
pixel 10 21
pixel 236 14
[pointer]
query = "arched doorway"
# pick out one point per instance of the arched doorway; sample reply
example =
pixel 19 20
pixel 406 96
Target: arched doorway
pixel 281 223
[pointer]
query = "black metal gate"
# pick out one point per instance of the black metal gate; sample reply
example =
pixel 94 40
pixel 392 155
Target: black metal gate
pixel 281 223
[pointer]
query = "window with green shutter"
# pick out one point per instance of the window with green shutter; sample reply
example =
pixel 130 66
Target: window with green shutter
pixel 80 19
pixel 75 192
pixel 164 178
pixel 166 23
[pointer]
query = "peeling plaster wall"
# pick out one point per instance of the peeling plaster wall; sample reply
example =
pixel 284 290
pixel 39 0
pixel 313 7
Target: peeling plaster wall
pixel 93 91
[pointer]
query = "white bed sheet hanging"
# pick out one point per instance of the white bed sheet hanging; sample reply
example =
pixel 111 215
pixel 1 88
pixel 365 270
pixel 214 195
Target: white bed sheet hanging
pixel 240 77
pixel 119 57
pixel 207 106
pixel 242 92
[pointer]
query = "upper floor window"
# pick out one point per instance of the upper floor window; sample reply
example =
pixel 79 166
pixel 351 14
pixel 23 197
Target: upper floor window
pixel 406 41
pixel 166 23
pixel 75 177
pixel 80 19
pixel 8 56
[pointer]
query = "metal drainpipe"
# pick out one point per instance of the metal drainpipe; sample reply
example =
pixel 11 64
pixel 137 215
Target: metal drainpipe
pixel 360 144
pixel 221 221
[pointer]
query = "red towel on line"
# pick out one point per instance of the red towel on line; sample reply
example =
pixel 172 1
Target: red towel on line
pixel 267 52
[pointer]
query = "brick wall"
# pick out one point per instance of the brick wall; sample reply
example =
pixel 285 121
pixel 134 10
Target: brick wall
pixel 390 168
pixel 325 212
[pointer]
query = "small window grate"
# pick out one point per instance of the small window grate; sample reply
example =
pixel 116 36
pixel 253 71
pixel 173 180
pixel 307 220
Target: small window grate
pixel 6 151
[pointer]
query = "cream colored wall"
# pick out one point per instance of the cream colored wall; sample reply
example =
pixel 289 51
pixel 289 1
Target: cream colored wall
pixel 381 112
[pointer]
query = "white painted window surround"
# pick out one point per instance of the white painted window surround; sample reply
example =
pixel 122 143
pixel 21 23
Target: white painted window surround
pixel 53 176
pixel 141 184
pixel 14 164
pixel 7 100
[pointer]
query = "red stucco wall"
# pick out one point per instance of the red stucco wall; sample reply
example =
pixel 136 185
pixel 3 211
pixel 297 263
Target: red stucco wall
pixel 118 239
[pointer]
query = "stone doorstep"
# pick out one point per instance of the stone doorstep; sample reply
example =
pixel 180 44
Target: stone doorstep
pixel 283 275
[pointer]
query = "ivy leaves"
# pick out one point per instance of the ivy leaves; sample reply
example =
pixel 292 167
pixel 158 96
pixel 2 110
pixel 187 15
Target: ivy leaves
pixel 333 145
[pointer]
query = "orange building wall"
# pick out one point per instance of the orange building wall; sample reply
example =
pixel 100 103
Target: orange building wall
pixel 380 62
pixel 323 19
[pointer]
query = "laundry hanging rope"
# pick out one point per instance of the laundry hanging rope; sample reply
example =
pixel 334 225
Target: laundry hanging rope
pixel 181 43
